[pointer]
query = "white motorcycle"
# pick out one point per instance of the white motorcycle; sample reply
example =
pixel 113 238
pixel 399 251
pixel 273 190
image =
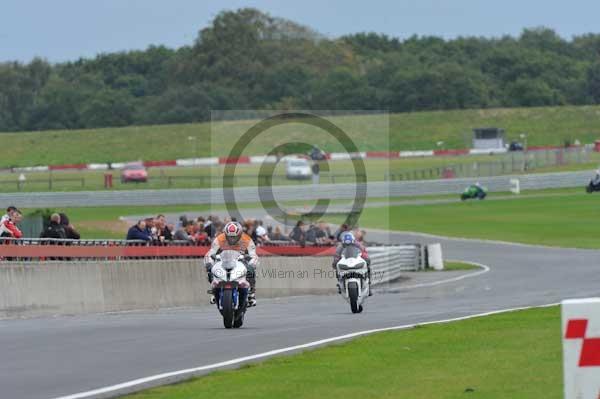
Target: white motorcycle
pixel 230 287
pixel 353 276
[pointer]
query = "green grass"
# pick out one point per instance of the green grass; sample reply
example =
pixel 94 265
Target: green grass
pixel 513 355
pixel 407 131
pixel 458 266
pixel 103 222
pixel 565 220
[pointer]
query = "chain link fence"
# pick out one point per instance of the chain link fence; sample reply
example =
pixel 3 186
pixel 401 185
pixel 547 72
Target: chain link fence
pixel 514 162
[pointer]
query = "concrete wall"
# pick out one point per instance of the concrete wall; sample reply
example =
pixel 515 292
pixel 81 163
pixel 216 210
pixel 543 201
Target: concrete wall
pixel 29 289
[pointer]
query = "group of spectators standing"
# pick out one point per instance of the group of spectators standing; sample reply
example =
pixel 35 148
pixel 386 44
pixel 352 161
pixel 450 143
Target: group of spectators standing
pixel 57 227
pixel 60 228
pixel 154 230
pixel 320 233
pixel 201 231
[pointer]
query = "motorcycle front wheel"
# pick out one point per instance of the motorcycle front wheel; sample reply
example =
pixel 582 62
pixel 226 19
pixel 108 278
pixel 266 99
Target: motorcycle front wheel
pixel 353 296
pixel 228 311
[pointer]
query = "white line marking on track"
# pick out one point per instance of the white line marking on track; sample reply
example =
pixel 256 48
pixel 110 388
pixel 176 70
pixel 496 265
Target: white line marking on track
pixel 181 374
pixel 450 280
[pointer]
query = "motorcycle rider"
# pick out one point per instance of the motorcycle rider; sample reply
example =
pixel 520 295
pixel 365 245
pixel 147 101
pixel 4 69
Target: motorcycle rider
pixel 233 238
pixel 347 239
pixel 596 179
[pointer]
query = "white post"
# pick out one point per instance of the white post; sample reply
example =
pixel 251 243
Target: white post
pixel 434 256
pixel 581 348
pixel 515 186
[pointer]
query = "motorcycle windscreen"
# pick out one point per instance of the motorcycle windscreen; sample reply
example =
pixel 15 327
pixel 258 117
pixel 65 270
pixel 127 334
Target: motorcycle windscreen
pixel 351 252
pixel 229 259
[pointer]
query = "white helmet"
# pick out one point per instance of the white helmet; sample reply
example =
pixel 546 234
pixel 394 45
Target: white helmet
pixel 233 232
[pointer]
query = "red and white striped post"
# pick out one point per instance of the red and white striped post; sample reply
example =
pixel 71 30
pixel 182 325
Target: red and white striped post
pixel 581 348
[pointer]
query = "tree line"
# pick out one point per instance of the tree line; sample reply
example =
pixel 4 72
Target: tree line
pixel 250 60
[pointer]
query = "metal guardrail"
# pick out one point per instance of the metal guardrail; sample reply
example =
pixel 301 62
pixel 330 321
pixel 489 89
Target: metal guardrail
pixel 388 262
pixel 512 162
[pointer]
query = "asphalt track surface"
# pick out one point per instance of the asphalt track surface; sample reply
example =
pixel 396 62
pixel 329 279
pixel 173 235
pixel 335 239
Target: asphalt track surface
pixel 51 357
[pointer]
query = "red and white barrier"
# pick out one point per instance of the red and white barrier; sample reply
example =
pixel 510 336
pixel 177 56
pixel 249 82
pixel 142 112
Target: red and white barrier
pixel 581 348
pixel 259 159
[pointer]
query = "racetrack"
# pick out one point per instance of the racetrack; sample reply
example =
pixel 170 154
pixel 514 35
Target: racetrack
pixel 50 357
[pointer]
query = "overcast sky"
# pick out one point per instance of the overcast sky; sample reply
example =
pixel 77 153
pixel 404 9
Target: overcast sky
pixel 61 30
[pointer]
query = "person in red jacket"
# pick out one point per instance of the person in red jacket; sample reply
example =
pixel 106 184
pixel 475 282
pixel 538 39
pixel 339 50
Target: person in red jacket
pixel 8 223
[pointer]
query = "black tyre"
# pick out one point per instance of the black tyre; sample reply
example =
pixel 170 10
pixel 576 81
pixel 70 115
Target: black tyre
pixel 228 312
pixel 239 321
pixel 353 295
pixel 589 189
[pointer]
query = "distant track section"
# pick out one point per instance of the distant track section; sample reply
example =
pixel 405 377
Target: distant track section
pixel 292 192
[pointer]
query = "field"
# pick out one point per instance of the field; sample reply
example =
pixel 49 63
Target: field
pixel 488 357
pixel 566 218
pixel 529 218
pixel 407 131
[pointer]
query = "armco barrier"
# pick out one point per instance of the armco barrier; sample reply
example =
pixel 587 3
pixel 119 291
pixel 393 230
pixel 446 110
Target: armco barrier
pixel 388 262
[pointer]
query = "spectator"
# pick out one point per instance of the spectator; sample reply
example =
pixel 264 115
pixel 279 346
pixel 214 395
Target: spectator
pixel 360 235
pixel 321 234
pixel 151 229
pixel 199 234
pixel 209 227
pixel 298 234
pixel 162 230
pixel 54 229
pixel 261 233
pixel 311 233
pixel 328 237
pixel 183 220
pixel 9 213
pixel 249 228
pixel 342 229
pixel 139 232
pixel 69 228
pixel 185 233
pixel 278 235
pixel 8 223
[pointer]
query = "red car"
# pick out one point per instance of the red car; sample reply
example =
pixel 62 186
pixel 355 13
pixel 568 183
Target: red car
pixel 134 172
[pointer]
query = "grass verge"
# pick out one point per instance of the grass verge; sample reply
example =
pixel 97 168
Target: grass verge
pixel 565 220
pixel 407 131
pixel 458 266
pixel 510 355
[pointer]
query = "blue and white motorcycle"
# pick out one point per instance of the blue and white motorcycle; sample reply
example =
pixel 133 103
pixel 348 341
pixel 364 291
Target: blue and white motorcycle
pixel 230 287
